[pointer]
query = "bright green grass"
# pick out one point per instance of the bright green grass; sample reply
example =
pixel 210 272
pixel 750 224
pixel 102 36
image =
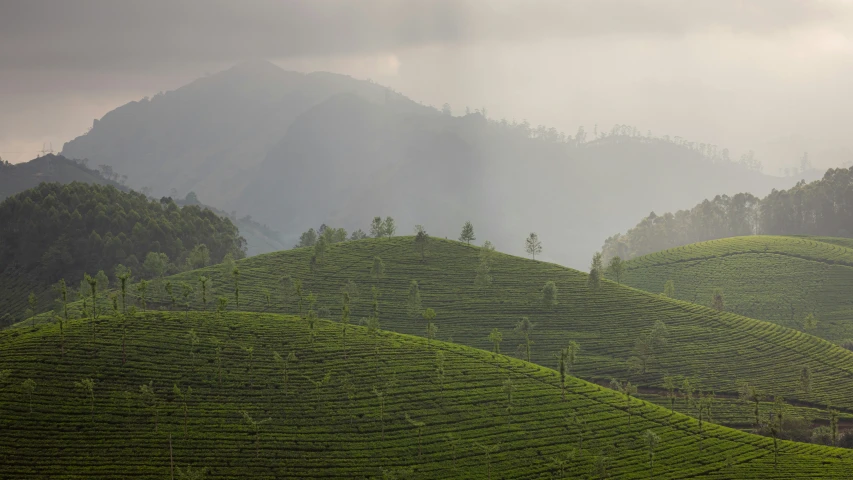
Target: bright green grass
pixel 718 351
pixel 779 279
pixel 337 432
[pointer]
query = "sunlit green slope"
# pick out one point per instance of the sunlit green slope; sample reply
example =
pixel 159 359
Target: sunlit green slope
pixel 717 351
pixel 378 406
pixel 779 279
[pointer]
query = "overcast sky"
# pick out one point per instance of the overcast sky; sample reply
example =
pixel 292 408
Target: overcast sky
pixel 771 75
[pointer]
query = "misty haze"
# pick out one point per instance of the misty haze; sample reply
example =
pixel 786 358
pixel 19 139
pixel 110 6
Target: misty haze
pixel 426 239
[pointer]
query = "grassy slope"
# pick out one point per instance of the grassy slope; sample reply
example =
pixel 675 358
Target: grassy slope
pixel 717 351
pixel 336 431
pixel 779 279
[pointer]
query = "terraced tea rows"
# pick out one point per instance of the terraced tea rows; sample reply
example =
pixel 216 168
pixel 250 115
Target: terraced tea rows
pixel 779 279
pixel 717 351
pixel 383 405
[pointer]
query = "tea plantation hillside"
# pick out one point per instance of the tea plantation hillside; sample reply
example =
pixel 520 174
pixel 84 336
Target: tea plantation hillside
pixel 249 395
pixel 774 278
pixel 716 351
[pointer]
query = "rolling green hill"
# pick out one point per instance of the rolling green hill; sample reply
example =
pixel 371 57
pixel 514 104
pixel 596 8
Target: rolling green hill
pixel 716 351
pixel 127 398
pixel 774 278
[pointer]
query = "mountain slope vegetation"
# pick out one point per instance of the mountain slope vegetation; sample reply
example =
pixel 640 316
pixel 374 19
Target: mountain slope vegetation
pixel 775 278
pixel 268 396
pixel 717 351
pixel 15 178
pixel 823 207
pixel 297 150
pixel 56 231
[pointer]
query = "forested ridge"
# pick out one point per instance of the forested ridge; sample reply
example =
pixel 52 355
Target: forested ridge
pixel 823 208
pixel 59 231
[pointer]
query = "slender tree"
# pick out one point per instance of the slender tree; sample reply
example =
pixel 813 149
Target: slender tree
pixel 419 426
pixel 297 288
pixel 431 328
pixel 63 297
pixel 616 267
pixel 236 276
pixel 467 234
pixel 669 386
pixel 496 338
pixel 532 245
pixel 389 227
pixel 508 388
pixel 173 300
pixel 93 286
pixel 377 229
pixel 525 327
pixel 717 300
pixel 596 271
pixel 149 398
pixel 193 340
pixel 421 240
pixel 218 347
pixel 345 312
pixel 142 290
pixel 574 349
pixel 413 303
pixel 378 268
pixel 255 427
pixel 651 440
pixel 488 450
pixel 221 307
pixel 203 283
pixel 806 379
pixel 184 396
pixel 123 279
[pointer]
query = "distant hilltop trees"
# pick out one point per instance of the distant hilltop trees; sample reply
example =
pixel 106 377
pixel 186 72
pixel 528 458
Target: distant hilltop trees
pixel 58 231
pixel 823 207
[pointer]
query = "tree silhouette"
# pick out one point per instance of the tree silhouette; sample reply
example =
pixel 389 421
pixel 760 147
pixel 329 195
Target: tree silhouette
pixel 488 450
pixel 190 474
pixel 669 386
pixel 413 303
pixel 193 339
pixel 496 338
pixel 236 276
pixel 508 388
pixel 717 302
pixel 532 245
pixel 389 227
pixel 669 289
pixel 218 346
pixel 186 292
pixel 378 268
pixel 149 398
pixel 651 439
pixel 467 234
pixel 596 271
pixel 806 379
pixel 616 266
pixel 345 311
pixel 525 327
pixel 549 295
pixel 255 427
pixel 377 229
pixel 142 291
pixel 183 396
pixel 421 240
pixel 431 328
pixel 625 389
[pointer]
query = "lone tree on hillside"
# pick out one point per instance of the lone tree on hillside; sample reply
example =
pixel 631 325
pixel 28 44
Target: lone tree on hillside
pixel 648 346
pixel 142 291
pixel 421 240
pixel 750 394
pixel 221 306
pixel 202 280
pixel 496 338
pixel 669 289
pixel 377 229
pixel 717 300
pixel 123 279
pixel 345 311
pixel 418 425
pixel 596 271
pixel 508 388
pixel 255 427
pixel 378 268
pixel 651 440
pixel 625 389
pixel 236 275
pixel 549 295
pixel 525 327
pixel 413 304
pixel 616 267
pixel 149 398
pixel 389 228
pixel 467 234
pixel 431 328
pixel 184 397
pixel 532 245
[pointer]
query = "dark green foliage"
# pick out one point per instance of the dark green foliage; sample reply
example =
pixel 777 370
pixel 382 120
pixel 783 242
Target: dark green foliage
pixel 58 231
pixel 817 208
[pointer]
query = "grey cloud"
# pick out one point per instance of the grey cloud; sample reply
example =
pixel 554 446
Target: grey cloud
pixel 117 34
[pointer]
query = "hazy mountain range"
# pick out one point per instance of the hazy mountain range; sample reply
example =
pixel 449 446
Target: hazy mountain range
pixel 297 150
